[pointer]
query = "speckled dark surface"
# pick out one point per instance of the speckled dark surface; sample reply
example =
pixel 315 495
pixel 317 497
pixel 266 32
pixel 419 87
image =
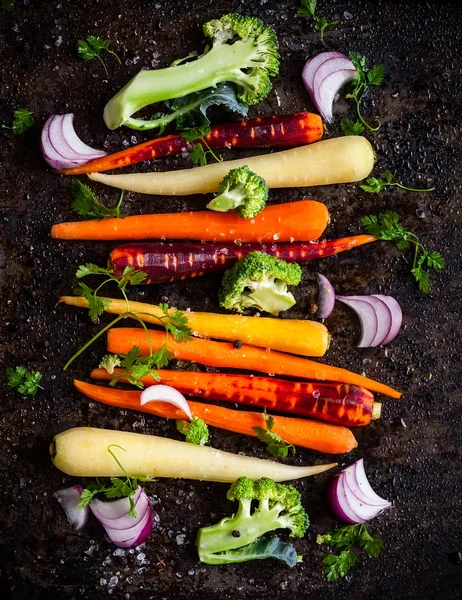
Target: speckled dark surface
pixel 412 455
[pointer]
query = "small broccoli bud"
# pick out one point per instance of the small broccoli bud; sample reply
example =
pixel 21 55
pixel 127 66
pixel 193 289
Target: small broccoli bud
pixel 109 362
pixel 196 431
pixel 243 191
pixel 260 281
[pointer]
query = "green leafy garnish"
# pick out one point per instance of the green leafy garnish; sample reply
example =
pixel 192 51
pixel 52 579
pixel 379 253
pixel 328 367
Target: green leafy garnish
pixel 351 128
pixel 86 204
pixel 307 9
pixel 374 185
pixel 275 445
pixel 343 539
pixel 385 226
pixel 119 488
pixel 199 151
pixel 367 76
pixel 22 121
pixel 8 5
pixel 24 381
pixel 92 47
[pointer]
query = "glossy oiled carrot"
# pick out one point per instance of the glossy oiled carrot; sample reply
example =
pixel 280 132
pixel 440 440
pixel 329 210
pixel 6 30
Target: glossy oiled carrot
pixel 276 131
pixel 332 439
pixel 221 354
pixel 163 261
pixel 301 221
pixel 297 336
pixel 343 404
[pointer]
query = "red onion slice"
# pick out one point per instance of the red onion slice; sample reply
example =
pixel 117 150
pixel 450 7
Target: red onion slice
pixel 329 88
pixel 367 318
pixel 396 317
pixel 364 512
pixel 310 68
pixel 338 503
pixel 326 297
pixel 165 393
pixel 111 511
pixel 384 317
pixel 361 486
pixel 60 145
pixel 69 498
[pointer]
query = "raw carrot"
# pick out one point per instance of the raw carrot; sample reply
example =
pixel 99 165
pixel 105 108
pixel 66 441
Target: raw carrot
pixel 336 160
pixel 339 403
pixel 301 221
pixel 305 337
pixel 221 354
pixel 324 437
pixel 268 132
pixel 162 261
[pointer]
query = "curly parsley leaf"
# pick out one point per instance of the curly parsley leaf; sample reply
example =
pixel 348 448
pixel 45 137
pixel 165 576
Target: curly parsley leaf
pixel 24 381
pixel 339 565
pixel 385 226
pixel 367 76
pixel 8 5
pixel 201 150
pixel 374 185
pixel 351 128
pixel 86 204
pixel 275 445
pixel 22 121
pixel 307 9
pixel 92 47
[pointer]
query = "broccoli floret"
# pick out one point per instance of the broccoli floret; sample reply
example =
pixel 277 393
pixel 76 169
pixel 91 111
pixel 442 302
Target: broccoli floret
pixel 279 507
pixel 196 431
pixel 243 51
pixel 109 362
pixel 267 278
pixel 241 190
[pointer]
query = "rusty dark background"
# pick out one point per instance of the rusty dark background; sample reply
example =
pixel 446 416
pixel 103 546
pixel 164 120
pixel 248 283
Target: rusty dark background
pixel 412 455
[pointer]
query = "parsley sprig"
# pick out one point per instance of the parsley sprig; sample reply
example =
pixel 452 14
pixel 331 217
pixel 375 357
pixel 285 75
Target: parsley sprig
pixel 375 185
pixel 385 226
pixel 367 76
pixel 338 565
pixel 201 150
pixel 275 445
pixel 22 121
pixel 119 488
pixel 24 381
pixel 86 204
pixel 307 9
pixel 92 47
pixel 135 366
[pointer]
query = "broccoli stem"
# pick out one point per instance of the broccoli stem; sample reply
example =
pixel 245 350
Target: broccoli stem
pixel 221 63
pixel 228 200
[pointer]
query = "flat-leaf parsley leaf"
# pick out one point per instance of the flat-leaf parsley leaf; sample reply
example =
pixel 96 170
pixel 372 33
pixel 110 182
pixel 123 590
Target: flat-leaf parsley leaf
pixel 92 47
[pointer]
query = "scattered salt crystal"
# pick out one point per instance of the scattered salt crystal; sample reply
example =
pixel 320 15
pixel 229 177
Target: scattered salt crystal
pixel 103 581
pixel 119 552
pixel 113 581
pixel 58 41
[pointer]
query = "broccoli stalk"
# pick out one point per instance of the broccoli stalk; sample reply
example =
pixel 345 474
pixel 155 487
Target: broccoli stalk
pixel 243 191
pixel 196 431
pixel 236 538
pixel 266 276
pixel 243 52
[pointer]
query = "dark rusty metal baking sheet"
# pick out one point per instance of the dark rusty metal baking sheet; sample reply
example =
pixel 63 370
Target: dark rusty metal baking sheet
pixel 412 454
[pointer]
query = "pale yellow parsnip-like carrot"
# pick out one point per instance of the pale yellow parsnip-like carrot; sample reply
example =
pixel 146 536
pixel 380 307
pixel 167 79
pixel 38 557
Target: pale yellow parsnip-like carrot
pixel 308 338
pixel 83 452
pixel 336 160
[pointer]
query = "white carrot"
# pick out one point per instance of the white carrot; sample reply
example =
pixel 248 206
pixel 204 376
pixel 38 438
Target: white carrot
pixel 337 160
pixel 83 452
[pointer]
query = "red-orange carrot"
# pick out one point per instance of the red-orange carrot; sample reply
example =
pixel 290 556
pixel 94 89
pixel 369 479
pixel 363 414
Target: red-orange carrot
pixel 332 439
pixel 221 354
pixel 162 261
pixel 301 221
pixel 276 131
pixel 339 403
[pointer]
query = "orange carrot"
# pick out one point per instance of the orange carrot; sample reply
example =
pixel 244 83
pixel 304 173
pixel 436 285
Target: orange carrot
pixel 300 221
pixel 221 354
pixel 339 403
pixel 269 132
pixel 332 439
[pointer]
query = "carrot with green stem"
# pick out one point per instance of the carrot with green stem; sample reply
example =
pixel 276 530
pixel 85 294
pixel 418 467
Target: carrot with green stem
pixel 250 358
pixel 339 403
pixel 268 132
pixel 324 437
pixel 302 221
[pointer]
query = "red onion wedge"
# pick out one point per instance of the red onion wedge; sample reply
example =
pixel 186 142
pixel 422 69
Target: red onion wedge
pixel 323 77
pixel 60 145
pixel 124 530
pixel 165 393
pixel 326 297
pixel 380 318
pixel 351 497
pixel 69 498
